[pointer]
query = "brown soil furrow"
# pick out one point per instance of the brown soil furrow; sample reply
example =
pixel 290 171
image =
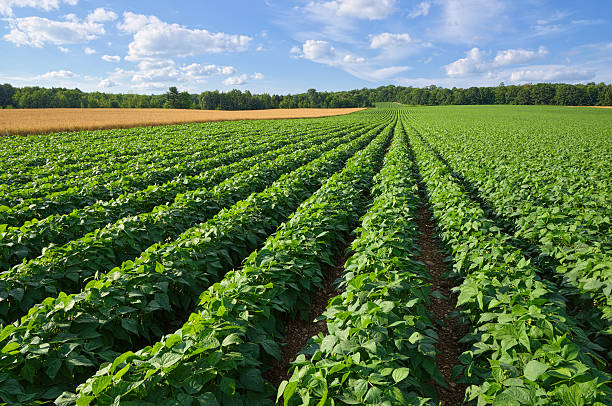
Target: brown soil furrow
pixel 449 332
pixel 298 332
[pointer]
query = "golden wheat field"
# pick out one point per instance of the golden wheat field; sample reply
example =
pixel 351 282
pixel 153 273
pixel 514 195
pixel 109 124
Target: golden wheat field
pixel 36 121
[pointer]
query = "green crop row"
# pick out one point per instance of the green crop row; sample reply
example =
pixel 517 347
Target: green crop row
pixel 220 353
pixel 133 303
pixel 28 241
pixel 525 348
pixel 128 179
pixel 66 268
pixel 379 348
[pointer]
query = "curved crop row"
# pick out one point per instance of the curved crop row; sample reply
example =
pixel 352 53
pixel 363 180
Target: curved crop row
pixel 139 301
pixel 66 268
pixel 379 348
pixel 568 237
pixel 525 349
pixel 28 241
pixel 65 201
pixel 219 354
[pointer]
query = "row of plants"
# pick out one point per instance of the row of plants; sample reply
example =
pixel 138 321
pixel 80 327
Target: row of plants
pixel 64 340
pixel 379 346
pixel 219 354
pixel 555 201
pixel 126 180
pixel 35 158
pixel 524 347
pixel 28 241
pixel 57 177
pixel 66 268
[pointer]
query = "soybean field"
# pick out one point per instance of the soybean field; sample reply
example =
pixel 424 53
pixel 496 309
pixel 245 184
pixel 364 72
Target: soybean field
pixel 393 256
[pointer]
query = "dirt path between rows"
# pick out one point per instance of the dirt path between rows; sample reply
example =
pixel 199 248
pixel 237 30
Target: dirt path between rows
pixel 298 332
pixel 449 333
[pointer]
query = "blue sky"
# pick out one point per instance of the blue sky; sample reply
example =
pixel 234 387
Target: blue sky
pixel 284 47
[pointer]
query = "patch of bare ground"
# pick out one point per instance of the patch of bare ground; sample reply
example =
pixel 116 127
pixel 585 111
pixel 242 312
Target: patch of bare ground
pixel 298 332
pixel 42 121
pixel 449 331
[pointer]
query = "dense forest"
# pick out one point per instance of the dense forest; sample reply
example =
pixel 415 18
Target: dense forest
pixel 591 94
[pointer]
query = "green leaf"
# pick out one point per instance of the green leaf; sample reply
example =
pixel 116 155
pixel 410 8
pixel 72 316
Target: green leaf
pixel 360 387
pixel 289 391
pixel 130 325
pixel 400 374
pixel 251 379
pixel 534 369
pixel 79 361
pixel 231 339
pixel 101 383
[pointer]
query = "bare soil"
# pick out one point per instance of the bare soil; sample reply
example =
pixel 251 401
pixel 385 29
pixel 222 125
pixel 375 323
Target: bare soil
pixel 41 121
pixel 449 332
pixel 298 332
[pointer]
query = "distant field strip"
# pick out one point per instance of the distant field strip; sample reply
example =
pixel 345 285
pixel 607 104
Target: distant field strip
pixel 38 121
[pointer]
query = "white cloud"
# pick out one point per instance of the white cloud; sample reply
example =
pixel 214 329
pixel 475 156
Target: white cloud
pixel 59 74
pixel 101 15
pixel 111 58
pixel 388 40
pixel 89 51
pixel 421 9
pixel 155 39
pixel 38 31
pixel 551 73
pixel 64 50
pixel 242 79
pixel 475 61
pixel 469 21
pixel 236 80
pixel 105 83
pixel 517 56
pixel 6 6
pixel 160 73
pixel 361 9
pixel 133 23
pixel 323 52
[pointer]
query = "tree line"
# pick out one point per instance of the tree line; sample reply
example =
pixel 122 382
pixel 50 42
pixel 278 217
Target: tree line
pixel 591 94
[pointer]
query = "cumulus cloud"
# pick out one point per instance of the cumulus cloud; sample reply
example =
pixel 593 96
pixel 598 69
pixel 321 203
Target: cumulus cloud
pixel 59 74
pixel 361 9
pixel 388 40
pixel 101 15
pixel 64 50
pixel 551 73
pixel 156 39
pixel 6 6
pixel 242 79
pixel 160 73
pixel 38 31
pixel 517 56
pixel 111 58
pixel 476 61
pixel 105 83
pixel 325 53
pixel 89 51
